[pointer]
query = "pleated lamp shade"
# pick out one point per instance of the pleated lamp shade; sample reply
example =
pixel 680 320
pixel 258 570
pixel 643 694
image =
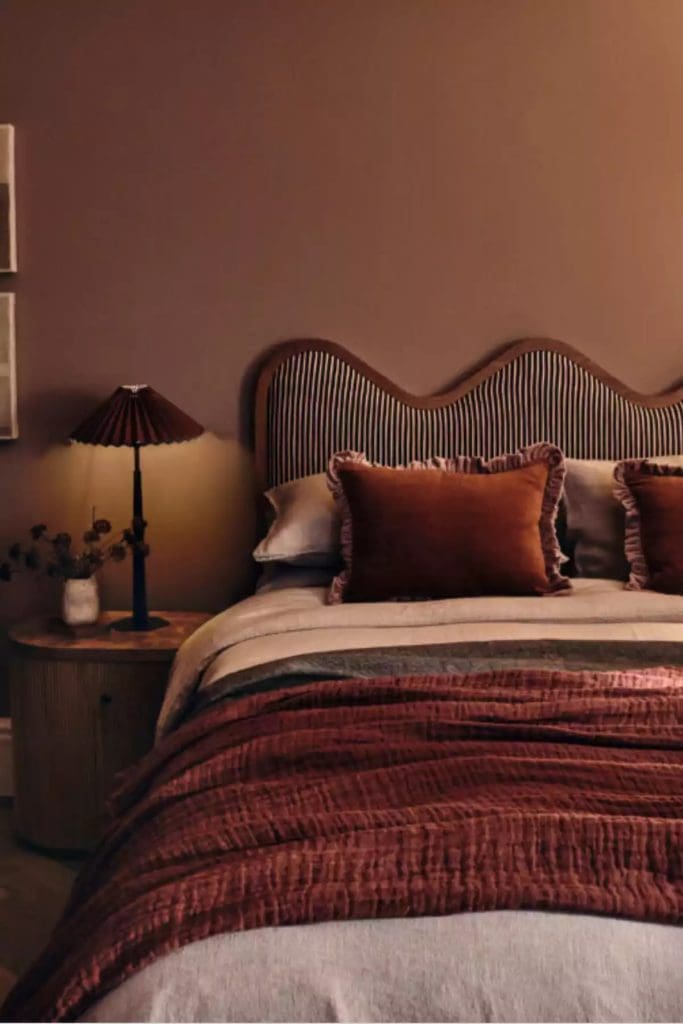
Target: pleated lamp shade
pixel 134 415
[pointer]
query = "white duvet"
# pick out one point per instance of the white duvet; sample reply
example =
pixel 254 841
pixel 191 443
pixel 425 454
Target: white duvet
pixel 502 966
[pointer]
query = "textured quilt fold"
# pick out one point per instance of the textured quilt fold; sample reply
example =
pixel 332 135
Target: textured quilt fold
pixel 386 797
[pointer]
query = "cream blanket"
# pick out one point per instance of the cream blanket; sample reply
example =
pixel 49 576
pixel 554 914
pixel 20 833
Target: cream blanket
pixel 297 621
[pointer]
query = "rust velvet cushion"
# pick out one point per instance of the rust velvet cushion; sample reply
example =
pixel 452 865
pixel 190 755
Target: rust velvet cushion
pixel 652 495
pixel 449 527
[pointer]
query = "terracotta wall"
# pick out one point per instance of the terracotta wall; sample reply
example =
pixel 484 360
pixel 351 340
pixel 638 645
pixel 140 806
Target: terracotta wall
pixel 420 180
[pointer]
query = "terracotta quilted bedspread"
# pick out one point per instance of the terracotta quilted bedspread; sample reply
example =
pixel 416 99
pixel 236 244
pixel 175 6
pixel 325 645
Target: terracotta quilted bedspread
pixel 386 797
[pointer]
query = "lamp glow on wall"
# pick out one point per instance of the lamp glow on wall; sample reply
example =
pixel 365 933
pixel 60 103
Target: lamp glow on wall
pixel 136 415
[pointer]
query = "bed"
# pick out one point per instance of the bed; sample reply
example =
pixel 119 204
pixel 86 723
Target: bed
pixel 465 810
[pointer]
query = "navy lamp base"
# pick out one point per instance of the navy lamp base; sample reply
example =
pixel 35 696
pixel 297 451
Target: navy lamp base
pixel 129 624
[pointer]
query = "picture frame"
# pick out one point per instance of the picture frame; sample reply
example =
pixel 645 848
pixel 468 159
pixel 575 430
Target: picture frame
pixel 8 232
pixel 9 426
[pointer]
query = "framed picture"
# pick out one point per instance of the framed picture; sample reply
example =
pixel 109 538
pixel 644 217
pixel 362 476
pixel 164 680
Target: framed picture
pixel 8 235
pixel 9 428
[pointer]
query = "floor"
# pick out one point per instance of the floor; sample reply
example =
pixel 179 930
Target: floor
pixel 33 890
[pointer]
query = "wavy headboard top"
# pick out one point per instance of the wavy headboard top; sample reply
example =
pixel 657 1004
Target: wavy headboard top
pixel 315 398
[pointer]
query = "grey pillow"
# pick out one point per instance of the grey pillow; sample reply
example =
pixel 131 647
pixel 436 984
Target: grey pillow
pixel 595 518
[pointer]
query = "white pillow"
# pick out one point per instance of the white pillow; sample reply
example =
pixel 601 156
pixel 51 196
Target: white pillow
pixel 595 518
pixel 306 527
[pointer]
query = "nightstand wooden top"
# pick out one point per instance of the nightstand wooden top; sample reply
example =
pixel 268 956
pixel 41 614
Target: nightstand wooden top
pixel 46 638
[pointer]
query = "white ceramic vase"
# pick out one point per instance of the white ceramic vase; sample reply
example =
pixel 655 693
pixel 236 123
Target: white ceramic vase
pixel 80 602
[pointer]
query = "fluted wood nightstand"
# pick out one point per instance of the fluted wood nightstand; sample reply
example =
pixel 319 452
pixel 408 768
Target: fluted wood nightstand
pixel 84 707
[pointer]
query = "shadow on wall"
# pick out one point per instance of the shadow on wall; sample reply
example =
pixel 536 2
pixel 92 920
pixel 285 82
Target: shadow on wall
pixel 199 503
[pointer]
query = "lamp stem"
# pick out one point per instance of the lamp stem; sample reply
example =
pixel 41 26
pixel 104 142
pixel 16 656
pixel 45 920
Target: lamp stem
pixel 140 620
pixel 140 614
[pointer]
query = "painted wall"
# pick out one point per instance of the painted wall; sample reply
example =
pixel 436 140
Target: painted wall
pixel 421 180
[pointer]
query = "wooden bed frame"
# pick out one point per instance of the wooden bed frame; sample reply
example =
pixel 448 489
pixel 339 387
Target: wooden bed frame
pixel 313 397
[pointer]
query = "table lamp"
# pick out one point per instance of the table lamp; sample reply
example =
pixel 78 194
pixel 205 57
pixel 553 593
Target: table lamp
pixel 137 415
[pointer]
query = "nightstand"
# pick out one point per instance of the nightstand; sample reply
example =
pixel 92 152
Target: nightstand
pixel 84 706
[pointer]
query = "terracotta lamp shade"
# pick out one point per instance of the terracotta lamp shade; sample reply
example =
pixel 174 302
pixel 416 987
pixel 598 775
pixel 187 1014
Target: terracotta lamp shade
pixel 137 415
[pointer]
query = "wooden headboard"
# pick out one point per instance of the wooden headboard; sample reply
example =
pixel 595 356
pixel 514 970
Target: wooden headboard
pixel 314 398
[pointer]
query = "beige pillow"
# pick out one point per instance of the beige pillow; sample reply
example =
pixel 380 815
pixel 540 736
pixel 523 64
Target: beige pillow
pixel 306 527
pixel 595 517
